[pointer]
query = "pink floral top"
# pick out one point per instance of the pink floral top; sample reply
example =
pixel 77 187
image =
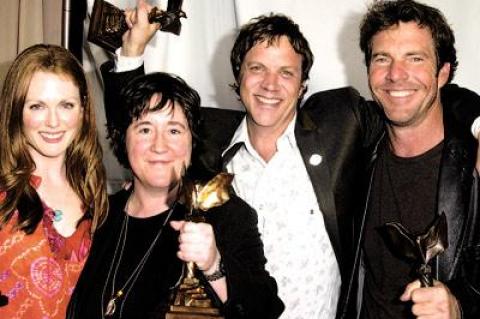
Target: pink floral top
pixel 39 271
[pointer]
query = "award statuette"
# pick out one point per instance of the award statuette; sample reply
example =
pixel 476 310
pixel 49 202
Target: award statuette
pixel 419 249
pixel 107 22
pixel 190 299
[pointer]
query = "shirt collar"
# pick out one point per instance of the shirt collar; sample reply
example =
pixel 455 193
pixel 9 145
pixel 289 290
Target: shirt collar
pixel 287 139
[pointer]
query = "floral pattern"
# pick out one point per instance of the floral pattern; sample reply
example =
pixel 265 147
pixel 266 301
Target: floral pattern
pixel 39 271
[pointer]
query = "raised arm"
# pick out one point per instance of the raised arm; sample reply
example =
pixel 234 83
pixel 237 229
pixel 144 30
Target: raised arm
pixel 129 58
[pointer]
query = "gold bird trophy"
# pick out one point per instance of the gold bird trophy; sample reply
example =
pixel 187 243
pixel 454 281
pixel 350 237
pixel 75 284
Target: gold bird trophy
pixel 107 22
pixel 190 299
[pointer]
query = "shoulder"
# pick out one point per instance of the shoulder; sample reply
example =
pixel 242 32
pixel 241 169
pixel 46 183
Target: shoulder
pixel 343 96
pixel 117 200
pixel 338 107
pixel 222 119
pixel 114 79
pixel 459 100
pixel 461 107
pixel 335 105
pixel 216 129
pixel 454 92
pixel 211 113
pixel 116 205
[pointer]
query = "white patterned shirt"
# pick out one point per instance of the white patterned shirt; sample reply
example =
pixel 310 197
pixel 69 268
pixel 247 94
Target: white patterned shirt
pixel 297 247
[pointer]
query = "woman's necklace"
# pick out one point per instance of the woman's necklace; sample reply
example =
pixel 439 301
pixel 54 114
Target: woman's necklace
pixel 57 215
pixel 121 294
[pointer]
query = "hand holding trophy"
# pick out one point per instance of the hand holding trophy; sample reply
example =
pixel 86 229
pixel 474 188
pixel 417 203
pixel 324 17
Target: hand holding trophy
pixel 107 23
pixel 190 299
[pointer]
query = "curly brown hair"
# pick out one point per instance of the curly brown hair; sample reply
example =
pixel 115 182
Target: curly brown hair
pixel 83 161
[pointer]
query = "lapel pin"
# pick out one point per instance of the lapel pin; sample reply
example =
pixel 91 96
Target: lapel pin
pixel 315 159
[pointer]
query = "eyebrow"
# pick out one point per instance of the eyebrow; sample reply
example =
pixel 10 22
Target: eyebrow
pixel 408 53
pixel 138 123
pixel 41 101
pixel 171 122
pixel 177 123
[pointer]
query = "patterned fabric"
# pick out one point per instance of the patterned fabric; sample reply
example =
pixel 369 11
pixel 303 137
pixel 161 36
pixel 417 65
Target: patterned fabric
pixel 299 253
pixel 39 271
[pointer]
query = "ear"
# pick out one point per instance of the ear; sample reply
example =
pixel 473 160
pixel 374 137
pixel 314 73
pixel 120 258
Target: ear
pixel 443 75
pixel 303 88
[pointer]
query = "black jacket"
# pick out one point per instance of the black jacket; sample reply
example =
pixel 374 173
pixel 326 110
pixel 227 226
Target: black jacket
pixel 458 197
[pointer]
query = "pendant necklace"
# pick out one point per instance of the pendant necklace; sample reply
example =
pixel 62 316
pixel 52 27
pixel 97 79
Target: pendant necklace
pixel 57 215
pixel 120 295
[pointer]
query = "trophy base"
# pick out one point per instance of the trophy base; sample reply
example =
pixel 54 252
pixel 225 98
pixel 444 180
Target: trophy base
pixel 183 312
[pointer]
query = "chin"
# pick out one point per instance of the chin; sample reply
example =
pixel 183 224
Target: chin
pixel 50 154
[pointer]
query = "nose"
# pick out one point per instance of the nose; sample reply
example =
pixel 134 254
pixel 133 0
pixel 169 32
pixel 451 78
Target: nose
pixel 270 81
pixel 397 71
pixel 159 143
pixel 52 118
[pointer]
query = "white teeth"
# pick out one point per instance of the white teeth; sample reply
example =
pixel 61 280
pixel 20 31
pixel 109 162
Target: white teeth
pixel 51 135
pixel 267 100
pixel 400 93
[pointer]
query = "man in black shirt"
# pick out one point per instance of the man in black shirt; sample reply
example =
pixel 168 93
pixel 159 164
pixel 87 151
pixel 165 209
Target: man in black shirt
pixel 424 165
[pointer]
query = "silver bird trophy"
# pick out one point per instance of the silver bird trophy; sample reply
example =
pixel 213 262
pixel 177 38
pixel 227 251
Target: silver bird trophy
pixel 418 248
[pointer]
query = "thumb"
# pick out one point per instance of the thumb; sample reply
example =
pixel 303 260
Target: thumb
pixel 177 224
pixel 407 294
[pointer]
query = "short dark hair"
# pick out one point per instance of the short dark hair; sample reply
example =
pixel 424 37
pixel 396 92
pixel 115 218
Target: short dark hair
pixel 135 101
pixel 269 28
pixel 384 14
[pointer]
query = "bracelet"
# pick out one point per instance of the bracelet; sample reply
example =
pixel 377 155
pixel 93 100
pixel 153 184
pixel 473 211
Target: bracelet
pixel 217 274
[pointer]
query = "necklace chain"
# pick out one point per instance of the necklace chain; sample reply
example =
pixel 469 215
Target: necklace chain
pixel 122 294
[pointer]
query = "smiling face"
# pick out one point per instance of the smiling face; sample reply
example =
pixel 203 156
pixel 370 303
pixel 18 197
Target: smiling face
pixel 403 75
pixel 270 84
pixel 159 147
pixel 52 115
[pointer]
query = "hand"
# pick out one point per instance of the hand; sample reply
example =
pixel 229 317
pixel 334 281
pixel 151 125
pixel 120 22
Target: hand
pixel 197 244
pixel 140 30
pixel 435 302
